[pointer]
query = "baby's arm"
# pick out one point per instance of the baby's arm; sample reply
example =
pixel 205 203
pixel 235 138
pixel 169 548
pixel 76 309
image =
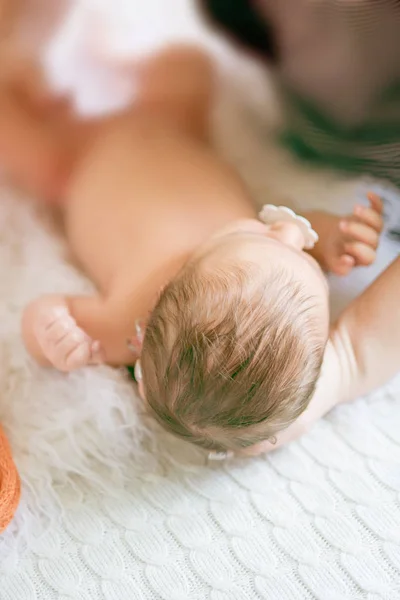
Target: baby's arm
pixel 363 353
pixel 370 329
pixel 332 389
pixel 69 332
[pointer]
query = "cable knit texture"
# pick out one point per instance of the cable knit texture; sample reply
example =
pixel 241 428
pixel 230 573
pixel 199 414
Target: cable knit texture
pixel 114 509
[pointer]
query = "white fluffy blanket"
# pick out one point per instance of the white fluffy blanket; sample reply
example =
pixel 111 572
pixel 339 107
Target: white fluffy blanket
pixel 114 509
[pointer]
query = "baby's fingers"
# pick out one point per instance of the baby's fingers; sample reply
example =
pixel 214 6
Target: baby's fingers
pixel 343 265
pixel 376 202
pixel 371 216
pixel 96 354
pixel 363 254
pixel 85 352
pixel 77 357
pixel 358 232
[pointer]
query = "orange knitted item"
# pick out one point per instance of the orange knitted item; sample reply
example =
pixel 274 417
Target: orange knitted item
pixel 10 485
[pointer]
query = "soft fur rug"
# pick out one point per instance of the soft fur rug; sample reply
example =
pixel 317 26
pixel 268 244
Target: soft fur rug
pixel 113 508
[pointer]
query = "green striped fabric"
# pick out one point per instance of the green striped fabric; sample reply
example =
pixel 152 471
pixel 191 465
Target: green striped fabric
pixel 338 64
pixel 371 147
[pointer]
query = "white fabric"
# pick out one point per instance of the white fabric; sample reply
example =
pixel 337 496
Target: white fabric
pixel 113 509
pixel 89 55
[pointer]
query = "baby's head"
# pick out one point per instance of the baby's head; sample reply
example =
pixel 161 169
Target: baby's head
pixel 234 347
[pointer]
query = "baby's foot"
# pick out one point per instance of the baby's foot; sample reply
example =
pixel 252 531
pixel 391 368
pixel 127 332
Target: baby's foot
pixel 65 345
pixel 351 241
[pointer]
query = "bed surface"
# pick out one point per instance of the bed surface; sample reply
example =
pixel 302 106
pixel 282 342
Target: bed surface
pixel 112 509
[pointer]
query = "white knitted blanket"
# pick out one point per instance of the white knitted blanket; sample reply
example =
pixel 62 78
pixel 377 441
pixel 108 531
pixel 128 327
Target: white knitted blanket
pixel 113 509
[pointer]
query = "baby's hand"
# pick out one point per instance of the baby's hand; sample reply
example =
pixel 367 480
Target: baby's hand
pixel 359 235
pixel 353 240
pixel 65 345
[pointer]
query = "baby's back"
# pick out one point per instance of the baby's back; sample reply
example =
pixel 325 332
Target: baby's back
pixel 146 194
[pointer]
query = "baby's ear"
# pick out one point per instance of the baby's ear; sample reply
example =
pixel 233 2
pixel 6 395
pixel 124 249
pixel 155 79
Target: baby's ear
pixel 260 448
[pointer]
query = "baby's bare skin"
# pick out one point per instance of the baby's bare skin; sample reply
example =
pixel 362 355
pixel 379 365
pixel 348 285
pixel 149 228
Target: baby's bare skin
pixel 362 354
pixel 144 192
pixel 151 188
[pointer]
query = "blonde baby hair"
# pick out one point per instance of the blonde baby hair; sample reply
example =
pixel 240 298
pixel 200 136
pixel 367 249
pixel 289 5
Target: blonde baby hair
pixel 231 357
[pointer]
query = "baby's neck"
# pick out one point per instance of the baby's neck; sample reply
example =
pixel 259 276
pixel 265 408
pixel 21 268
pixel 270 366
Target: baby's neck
pixel 159 264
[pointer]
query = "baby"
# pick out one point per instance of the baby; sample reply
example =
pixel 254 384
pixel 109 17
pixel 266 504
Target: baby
pixel 235 313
